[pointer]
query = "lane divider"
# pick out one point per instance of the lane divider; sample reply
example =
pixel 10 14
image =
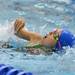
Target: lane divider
pixel 8 70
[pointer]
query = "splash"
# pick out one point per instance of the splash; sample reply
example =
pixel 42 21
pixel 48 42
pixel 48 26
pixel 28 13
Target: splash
pixel 7 36
pixel 5 31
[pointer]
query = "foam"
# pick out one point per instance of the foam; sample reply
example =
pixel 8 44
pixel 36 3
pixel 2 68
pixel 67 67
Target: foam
pixel 7 35
pixel 6 31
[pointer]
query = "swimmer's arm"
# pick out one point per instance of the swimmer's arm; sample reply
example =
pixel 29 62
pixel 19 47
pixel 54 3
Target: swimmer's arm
pixel 30 36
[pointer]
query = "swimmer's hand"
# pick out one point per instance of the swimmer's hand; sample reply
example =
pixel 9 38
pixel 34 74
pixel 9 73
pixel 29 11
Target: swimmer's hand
pixel 19 24
pixel 23 33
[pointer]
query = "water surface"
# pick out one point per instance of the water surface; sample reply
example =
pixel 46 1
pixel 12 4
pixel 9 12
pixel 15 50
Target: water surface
pixel 41 16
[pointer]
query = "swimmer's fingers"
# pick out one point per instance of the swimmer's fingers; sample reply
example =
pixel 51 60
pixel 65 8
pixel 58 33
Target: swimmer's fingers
pixel 19 23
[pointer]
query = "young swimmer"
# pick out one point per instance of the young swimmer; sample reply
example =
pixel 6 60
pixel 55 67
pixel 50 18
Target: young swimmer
pixel 54 40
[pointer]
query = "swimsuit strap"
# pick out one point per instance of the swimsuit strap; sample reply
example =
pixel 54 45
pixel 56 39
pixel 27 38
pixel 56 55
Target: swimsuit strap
pixel 37 45
pixel 59 44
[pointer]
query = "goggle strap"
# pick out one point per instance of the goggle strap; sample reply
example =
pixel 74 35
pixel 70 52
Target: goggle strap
pixel 59 44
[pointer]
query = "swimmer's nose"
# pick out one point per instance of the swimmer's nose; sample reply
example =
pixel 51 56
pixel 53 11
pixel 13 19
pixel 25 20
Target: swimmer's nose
pixel 50 33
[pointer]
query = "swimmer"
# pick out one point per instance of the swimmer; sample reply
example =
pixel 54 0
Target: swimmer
pixel 54 40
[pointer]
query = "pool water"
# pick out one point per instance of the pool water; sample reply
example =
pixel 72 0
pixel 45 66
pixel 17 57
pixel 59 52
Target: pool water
pixel 41 16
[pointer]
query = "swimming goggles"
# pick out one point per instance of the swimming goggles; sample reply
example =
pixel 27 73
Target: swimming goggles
pixel 56 38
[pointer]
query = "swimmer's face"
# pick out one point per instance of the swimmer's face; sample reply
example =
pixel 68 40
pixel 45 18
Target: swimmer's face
pixel 49 39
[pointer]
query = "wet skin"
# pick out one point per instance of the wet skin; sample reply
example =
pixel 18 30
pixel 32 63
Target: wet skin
pixel 49 39
pixel 33 37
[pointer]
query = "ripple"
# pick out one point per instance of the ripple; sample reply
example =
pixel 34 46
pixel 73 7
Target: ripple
pixel 41 16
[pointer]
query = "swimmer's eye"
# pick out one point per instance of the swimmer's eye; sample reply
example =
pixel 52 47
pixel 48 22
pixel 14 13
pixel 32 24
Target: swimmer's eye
pixel 45 36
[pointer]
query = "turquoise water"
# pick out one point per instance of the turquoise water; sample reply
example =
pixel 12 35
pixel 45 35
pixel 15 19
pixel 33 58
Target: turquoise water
pixel 41 16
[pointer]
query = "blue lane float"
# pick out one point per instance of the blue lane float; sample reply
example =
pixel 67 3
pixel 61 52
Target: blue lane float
pixel 8 70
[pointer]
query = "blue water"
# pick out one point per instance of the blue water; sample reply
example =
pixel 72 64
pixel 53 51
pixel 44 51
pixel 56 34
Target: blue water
pixel 41 16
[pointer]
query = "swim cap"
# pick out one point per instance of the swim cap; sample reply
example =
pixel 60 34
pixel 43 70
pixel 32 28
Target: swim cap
pixel 66 39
